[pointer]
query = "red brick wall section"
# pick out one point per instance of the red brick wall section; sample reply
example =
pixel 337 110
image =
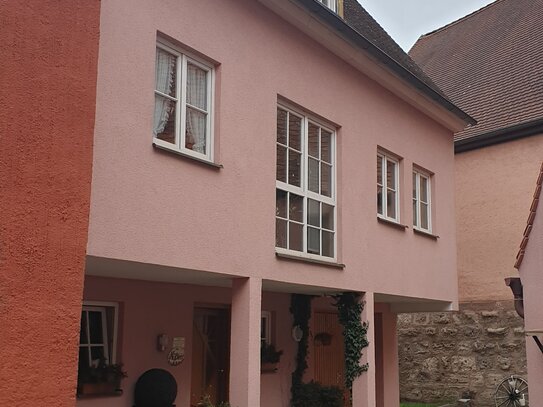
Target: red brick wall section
pixel 48 62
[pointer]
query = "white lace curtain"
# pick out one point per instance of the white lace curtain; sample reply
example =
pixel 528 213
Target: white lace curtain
pixel 164 78
pixel 197 97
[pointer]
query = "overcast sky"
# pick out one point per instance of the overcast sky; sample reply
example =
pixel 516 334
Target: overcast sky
pixel 407 20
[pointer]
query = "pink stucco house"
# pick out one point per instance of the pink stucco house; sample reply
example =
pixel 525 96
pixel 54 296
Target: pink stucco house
pixel 527 290
pixel 242 152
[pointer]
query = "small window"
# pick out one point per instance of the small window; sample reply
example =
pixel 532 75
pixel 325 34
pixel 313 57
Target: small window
pixel 183 103
pixel 388 188
pixel 305 186
pixel 97 341
pixel 422 209
pixel 331 4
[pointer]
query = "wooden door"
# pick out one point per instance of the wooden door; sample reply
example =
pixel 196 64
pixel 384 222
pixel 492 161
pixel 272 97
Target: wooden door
pixel 328 351
pixel 210 355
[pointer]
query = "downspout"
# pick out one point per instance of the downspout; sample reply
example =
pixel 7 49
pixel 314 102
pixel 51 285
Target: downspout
pixel 515 285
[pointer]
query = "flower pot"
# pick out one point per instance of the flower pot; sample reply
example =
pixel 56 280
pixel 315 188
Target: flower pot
pixel 86 389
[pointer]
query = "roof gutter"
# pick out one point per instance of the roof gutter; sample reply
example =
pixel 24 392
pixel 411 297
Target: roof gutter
pixel 517 131
pixel 349 33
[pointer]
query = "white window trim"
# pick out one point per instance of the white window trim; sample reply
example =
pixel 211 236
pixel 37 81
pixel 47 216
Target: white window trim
pixel 418 174
pixel 266 315
pixel 303 190
pixel 332 6
pixel 183 57
pixel 384 199
pixel 102 305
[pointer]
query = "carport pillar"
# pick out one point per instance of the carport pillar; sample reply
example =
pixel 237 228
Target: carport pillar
pixel 245 342
pixel 364 386
pixel 390 374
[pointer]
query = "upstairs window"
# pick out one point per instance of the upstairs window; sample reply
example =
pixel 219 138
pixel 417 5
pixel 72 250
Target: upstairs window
pixel 331 4
pixel 305 186
pixel 422 215
pixel 388 190
pixel 183 103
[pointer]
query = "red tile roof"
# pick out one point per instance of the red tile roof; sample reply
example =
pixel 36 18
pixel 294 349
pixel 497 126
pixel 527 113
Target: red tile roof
pixel 531 217
pixel 490 64
pixel 358 18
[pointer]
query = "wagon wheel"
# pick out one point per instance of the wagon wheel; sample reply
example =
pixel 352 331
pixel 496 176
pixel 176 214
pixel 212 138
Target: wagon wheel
pixel 512 392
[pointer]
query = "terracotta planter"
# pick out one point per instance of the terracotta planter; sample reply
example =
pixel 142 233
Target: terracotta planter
pixel 87 389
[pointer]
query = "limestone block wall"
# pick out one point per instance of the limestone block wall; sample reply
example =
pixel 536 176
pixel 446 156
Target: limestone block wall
pixel 444 356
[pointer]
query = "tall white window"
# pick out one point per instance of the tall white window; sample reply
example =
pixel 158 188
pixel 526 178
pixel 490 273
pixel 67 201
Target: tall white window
pixel 305 186
pixel 422 209
pixel 331 4
pixel 388 189
pixel 183 103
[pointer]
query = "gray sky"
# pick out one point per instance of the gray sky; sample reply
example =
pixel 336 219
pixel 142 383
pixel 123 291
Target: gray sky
pixel 407 20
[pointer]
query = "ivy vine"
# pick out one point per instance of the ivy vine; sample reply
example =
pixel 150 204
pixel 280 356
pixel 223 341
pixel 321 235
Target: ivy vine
pixel 300 308
pixel 354 335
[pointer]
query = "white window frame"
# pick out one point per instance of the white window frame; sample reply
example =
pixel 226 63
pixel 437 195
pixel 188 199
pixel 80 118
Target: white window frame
pixel 331 4
pixel 303 189
pixel 419 174
pixel 385 157
pixel 266 316
pixel 100 306
pixel 183 58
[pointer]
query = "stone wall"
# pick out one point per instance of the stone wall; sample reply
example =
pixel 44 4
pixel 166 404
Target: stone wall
pixel 444 356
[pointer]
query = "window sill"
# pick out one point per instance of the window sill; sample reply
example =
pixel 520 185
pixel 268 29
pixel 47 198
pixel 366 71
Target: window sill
pixel 425 234
pixel 191 157
pixel 392 223
pixel 301 258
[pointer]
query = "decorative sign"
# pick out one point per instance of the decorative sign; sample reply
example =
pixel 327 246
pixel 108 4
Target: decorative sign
pixel 177 354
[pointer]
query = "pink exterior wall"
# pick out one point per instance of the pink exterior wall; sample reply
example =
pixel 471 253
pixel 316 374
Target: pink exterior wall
pixel 49 53
pixel 494 189
pixel 168 308
pixel 261 56
pixel 531 274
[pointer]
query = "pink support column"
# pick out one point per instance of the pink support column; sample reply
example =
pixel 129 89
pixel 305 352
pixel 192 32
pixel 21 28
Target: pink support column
pixel 245 342
pixel 364 386
pixel 391 375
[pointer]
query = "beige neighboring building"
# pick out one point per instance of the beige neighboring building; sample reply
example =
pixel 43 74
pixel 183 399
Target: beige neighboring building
pixel 490 64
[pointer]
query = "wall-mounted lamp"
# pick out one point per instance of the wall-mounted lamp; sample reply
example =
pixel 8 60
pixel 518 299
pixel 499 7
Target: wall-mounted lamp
pixel 162 341
pixel 297 333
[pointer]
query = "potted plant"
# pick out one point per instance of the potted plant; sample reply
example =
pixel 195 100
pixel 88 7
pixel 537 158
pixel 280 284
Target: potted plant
pixel 100 379
pixel 269 358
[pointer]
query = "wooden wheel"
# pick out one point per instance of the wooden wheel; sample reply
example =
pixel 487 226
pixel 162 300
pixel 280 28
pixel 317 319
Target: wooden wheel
pixel 512 392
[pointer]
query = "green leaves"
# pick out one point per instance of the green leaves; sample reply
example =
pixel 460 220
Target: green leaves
pixel 354 334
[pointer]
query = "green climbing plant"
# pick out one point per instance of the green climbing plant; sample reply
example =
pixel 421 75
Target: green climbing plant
pixel 354 335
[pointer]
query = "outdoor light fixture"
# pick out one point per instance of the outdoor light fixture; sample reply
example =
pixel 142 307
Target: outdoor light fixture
pixel 297 333
pixel 162 341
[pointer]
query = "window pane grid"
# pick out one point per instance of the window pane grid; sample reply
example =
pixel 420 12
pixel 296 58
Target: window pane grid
pixel 421 201
pixel 188 120
pixel 102 328
pixel 387 187
pixel 313 181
